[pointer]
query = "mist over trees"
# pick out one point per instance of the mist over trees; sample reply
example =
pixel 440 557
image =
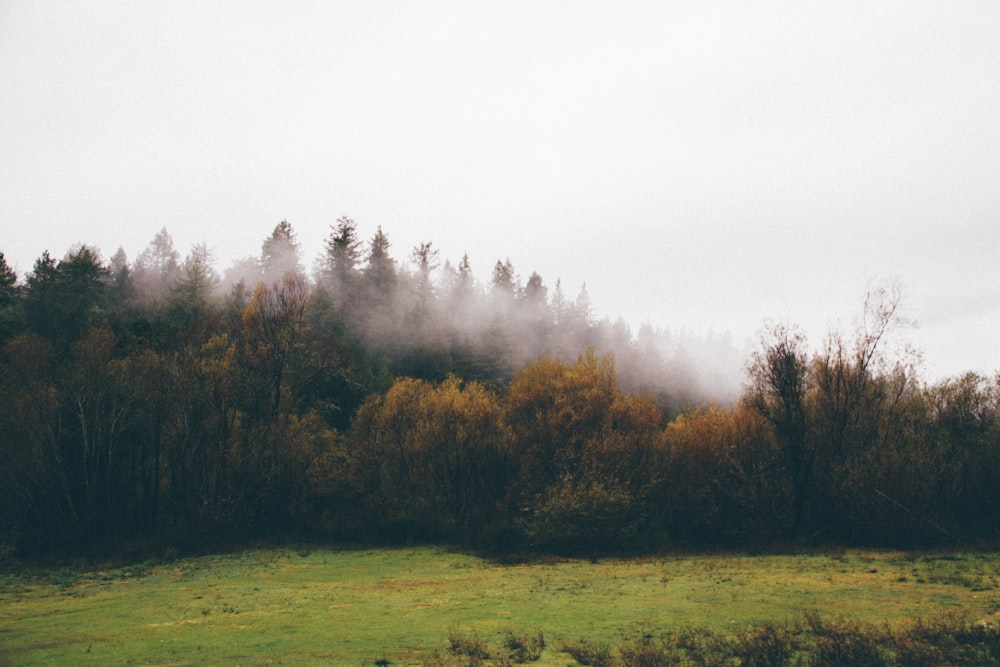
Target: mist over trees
pixel 390 395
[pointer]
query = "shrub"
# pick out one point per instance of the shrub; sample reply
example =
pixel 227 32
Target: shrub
pixel 473 647
pixel 588 654
pixel 524 648
pixel 763 646
pixel 845 643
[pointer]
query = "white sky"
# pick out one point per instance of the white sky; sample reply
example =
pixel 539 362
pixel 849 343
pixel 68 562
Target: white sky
pixel 698 164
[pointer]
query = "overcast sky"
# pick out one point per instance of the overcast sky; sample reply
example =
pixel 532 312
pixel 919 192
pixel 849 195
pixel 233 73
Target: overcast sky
pixel 706 165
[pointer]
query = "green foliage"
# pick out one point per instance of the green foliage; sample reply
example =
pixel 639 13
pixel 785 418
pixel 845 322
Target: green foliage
pixel 11 313
pixel 63 300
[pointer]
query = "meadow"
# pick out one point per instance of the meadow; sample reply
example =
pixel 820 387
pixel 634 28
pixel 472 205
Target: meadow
pixel 318 605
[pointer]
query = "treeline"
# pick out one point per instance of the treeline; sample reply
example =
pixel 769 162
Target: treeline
pixel 143 401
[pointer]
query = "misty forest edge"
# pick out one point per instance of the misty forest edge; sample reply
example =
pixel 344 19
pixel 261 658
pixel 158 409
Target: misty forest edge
pixel 145 404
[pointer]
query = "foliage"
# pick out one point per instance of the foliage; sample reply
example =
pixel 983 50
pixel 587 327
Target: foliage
pixel 437 457
pixel 727 480
pixel 151 402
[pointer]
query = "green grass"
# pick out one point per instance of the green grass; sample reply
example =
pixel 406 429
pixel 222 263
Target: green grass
pixel 354 607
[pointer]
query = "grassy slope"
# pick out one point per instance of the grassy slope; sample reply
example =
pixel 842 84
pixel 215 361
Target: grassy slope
pixel 353 607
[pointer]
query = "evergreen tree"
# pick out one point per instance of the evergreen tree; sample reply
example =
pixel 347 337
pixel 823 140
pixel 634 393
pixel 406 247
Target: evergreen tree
pixel 280 253
pixel 40 290
pixel 123 290
pixel 425 257
pixel 381 269
pixel 157 267
pixel 504 281
pixel 191 295
pixel 63 300
pixel 11 315
pixel 535 316
pixel 343 252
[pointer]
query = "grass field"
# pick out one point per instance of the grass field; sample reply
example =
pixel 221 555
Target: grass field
pixel 357 607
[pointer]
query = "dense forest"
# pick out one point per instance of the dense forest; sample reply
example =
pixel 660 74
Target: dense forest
pixel 157 402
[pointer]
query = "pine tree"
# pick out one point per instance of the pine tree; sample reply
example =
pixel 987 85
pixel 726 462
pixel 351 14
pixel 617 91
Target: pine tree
pixel 343 251
pixel 11 315
pixel 381 269
pixel 279 253
pixel 157 267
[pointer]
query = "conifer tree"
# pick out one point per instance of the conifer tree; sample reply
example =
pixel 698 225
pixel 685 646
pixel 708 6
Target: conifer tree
pixel 343 251
pixel 381 269
pixel 157 267
pixel 279 254
pixel 10 301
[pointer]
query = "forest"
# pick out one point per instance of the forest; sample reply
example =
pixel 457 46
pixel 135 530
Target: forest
pixel 159 403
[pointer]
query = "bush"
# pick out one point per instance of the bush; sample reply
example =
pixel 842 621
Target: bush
pixel 471 647
pixel 814 642
pixel 524 648
pixel 471 651
pixel 588 654
pixel 763 646
pixel 948 640
pixel 845 643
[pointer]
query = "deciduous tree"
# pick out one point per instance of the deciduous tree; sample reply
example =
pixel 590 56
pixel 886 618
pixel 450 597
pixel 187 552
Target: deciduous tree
pixel 778 388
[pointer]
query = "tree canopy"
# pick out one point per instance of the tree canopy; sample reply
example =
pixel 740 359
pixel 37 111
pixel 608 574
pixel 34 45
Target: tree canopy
pixel 389 401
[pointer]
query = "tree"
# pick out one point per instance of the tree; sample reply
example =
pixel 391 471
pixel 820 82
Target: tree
pixel 839 418
pixel 123 288
pixel 11 314
pixel 535 292
pixel 778 386
pixel 38 504
pixel 964 423
pixel 40 293
pixel 589 457
pixel 273 322
pixel 157 267
pixel 535 316
pixel 504 282
pixel 279 253
pixel 560 305
pixel 153 379
pixel 724 478
pixel 858 400
pixel 343 252
pixel 425 258
pixel 191 296
pixel 845 373
pixel 465 283
pixel 381 267
pixel 575 321
pixel 584 308
pixel 433 459
pixel 63 300
pixel 459 291
pixel 554 409
pixel 98 393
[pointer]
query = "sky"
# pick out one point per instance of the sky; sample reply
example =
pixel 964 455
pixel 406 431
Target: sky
pixel 708 166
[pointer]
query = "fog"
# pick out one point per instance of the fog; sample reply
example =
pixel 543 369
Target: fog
pixel 427 312
pixel 702 167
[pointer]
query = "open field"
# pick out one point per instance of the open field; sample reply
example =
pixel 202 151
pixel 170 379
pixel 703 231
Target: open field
pixel 355 607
